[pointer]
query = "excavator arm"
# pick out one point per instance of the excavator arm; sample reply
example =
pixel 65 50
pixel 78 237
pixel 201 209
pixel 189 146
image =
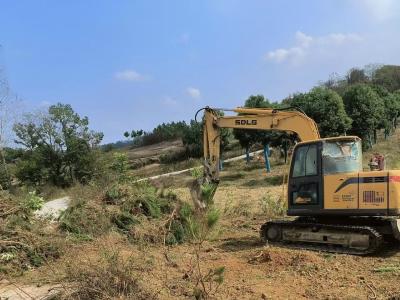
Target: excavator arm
pixel 250 118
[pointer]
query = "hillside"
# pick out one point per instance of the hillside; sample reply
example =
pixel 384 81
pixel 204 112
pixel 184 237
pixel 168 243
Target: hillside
pixel 200 150
pixel 389 148
pixel 246 198
pixel 150 160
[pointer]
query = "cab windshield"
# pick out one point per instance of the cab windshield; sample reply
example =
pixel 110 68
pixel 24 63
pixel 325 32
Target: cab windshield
pixel 341 157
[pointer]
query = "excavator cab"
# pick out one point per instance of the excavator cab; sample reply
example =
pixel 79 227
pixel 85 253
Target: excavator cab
pixel 316 164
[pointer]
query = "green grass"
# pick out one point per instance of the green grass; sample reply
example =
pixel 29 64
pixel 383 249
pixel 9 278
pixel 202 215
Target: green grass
pixel 387 269
pixel 267 181
pixel 233 176
pixel 273 207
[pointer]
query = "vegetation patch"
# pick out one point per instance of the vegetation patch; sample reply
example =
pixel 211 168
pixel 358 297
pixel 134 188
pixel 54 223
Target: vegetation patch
pixel 274 180
pixel 25 242
pixel 273 207
pixel 85 218
pixel 109 276
pixel 387 269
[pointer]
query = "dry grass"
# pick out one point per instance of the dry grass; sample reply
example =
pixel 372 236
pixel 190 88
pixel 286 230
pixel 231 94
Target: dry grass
pixel 389 148
pixel 25 242
pixel 127 259
pixel 108 275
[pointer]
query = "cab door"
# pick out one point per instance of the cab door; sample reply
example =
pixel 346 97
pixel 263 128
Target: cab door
pixel 341 191
pixel 305 184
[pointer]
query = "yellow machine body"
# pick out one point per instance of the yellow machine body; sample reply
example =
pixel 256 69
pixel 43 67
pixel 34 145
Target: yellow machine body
pixel 334 183
pixel 340 207
pixel 375 191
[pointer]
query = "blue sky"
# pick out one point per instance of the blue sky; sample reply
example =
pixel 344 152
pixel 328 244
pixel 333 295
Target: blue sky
pixel 135 64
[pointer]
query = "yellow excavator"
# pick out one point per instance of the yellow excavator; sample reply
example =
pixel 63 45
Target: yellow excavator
pixel 339 207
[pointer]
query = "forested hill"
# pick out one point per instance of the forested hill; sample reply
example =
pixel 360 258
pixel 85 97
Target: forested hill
pixel 361 102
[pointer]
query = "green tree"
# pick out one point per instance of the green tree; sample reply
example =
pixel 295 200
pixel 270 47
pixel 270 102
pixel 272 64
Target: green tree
pixel 356 75
pixel 59 147
pixel 392 111
pixel 8 111
pixel 392 108
pixel 248 137
pixel 388 76
pixel 326 108
pixel 192 138
pixel 136 133
pixel 397 96
pixel 258 101
pixel 170 131
pixel 366 109
pixel 135 137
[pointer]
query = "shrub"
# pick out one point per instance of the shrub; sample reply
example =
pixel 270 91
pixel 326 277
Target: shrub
pixel 196 172
pixel 124 221
pixel 120 164
pixel 273 207
pixel 32 201
pixel 207 192
pixel 141 198
pixel 173 156
pixel 5 178
pixel 24 241
pixel 116 193
pixel 110 276
pixel 190 225
pixel 85 218
pixel 274 180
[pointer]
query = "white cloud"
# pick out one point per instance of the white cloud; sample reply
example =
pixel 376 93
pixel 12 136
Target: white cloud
pixel 281 55
pixel 193 92
pixel 305 44
pixel 339 39
pixel 380 10
pixel 169 101
pixel 129 75
pixel 303 40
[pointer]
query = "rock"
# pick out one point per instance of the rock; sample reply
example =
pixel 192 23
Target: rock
pixel 263 296
pixel 53 208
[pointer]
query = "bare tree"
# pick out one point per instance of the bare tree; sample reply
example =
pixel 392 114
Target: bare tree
pixel 8 113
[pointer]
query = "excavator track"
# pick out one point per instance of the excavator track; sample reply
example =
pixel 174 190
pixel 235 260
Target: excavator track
pixel 355 240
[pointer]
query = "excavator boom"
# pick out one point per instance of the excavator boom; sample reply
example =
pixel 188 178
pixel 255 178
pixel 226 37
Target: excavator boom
pixel 252 119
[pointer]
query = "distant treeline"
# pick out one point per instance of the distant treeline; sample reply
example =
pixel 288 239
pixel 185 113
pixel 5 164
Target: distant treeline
pixel 362 102
pixel 59 148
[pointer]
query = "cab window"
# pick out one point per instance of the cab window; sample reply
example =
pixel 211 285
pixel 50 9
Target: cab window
pixel 306 194
pixel 305 161
pixel 341 157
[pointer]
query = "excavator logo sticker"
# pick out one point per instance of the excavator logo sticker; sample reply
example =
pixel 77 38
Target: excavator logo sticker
pixel 246 122
pixel 354 180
